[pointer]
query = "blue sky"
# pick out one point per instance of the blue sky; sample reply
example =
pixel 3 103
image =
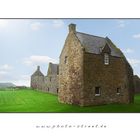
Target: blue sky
pixel 26 43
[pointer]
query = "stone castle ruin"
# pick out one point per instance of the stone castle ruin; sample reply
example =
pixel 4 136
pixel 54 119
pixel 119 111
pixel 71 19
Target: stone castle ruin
pixel 37 79
pixel 48 83
pixel 91 71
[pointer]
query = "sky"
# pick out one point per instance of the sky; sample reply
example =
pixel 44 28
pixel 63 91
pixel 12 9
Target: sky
pixel 27 43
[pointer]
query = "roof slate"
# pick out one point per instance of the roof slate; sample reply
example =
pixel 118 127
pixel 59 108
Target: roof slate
pixel 94 44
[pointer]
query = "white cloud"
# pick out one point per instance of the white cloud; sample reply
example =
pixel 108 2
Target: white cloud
pixel 2 73
pixel 121 23
pixel 3 23
pixel 23 80
pixel 134 62
pixel 37 59
pixel 25 77
pixel 5 76
pixel 36 26
pixel 136 36
pixel 6 67
pixel 58 23
pixel 128 50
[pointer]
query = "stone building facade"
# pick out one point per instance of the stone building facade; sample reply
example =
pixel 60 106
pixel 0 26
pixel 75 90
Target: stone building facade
pixel 136 84
pixel 37 79
pixel 93 71
pixel 51 80
pixel 48 83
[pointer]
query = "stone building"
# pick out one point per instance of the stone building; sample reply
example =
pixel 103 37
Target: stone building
pixel 136 84
pixel 93 71
pixel 51 80
pixel 47 83
pixel 37 79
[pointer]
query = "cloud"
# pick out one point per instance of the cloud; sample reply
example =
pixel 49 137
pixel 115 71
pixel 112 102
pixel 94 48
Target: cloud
pixel 21 83
pixel 121 23
pixel 25 77
pixel 128 50
pixel 18 80
pixel 15 79
pixel 6 67
pixel 3 23
pixel 58 23
pixel 36 26
pixel 22 80
pixel 2 73
pixel 5 76
pixel 5 73
pixel 136 36
pixel 37 59
pixel 134 62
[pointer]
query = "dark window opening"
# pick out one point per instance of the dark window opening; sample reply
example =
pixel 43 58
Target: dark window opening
pixel 48 89
pixel 57 70
pixel 57 90
pixel 97 90
pixel 50 79
pixel 118 90
pixel 65 61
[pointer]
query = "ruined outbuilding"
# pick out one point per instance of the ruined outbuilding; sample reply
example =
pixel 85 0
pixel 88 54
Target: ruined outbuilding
pixel 37 79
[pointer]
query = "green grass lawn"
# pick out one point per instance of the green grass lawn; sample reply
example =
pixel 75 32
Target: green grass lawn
pixel 27 100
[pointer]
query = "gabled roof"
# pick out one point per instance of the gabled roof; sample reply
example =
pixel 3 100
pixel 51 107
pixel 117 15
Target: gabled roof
pixel 53 69
pixel 37 72
pixel 94 44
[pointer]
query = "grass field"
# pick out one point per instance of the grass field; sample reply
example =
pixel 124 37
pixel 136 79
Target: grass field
pixel 27 100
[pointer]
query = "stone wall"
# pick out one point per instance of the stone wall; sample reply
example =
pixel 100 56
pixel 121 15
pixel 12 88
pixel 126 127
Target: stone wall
pixel 47 83
pixel 136 84
pixel 81 73
pixel 107 77
pixel 71 71
pixel 51 84
pixel 37 82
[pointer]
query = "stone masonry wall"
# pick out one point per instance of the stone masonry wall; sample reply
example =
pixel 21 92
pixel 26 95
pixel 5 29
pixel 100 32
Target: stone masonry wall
pixel 37 82
pixel 136 84
pixel 51 84
pixel 71 71
pixel 107 77
pixel 131 91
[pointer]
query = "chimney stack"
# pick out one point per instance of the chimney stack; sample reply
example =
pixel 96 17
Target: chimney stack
pixel 38 67
pixel 72 28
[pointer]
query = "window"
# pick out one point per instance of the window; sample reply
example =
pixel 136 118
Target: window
pixel 118 91
pixel 106 59
pixel 48 89
pixel 50 79
pixel 57 70
pixel 57 90
pixel 65 61
pixel 97 91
